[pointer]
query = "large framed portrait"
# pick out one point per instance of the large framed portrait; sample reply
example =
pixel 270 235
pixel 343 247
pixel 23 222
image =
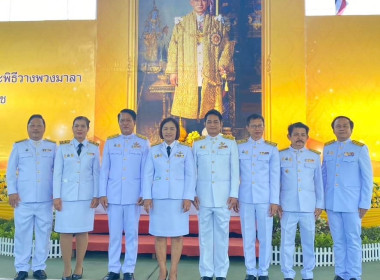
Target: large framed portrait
pixel 196 55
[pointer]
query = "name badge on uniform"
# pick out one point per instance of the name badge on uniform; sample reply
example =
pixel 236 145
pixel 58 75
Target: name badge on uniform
pixel 136 145
pixel 117 145
pixel 157 155
pixel 179 154
pixel 91 154
pixel 202 147
pixel 68 155
pixel 47 150
pixel 244 152
pixel 309 160
pixel 349 154
pixel 264 153
pixel 330 153
pixel 222 145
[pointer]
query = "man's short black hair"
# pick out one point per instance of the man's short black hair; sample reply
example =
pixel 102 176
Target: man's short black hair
pixel 36 116
pixel 254 117
pixel 297 125
pixel 343 117
pixel 127 111
pixel 214 112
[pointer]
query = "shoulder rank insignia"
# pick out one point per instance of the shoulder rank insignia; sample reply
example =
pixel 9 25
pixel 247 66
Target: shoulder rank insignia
pixel 284 149
pixel 199 138
pixel 242 141
pixel 315 151
pixel 113 136
pixel 329 143
pixel 141 136
pixel 93 142
pixel 52 141
pixel 156 144
pixel 271 143
pixel 184 143
pixel 357 143
pixel 228 136
pixel 19 141
pixel 64 142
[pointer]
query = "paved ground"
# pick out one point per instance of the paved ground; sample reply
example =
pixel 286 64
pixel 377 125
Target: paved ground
pixel 96 267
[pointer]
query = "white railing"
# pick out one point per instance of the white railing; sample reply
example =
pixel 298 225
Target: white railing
pixel 7 248
pixel 325 256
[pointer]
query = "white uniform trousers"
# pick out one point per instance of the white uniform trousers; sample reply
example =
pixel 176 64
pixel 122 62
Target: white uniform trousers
pixel 345 228
pixel 289 222
pixel 250 216
pixel 123 217
pixel 37 216
pixel 214 229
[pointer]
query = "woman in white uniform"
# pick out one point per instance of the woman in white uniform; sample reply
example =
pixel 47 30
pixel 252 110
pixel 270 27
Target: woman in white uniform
pixel 75 193
pixel 168 189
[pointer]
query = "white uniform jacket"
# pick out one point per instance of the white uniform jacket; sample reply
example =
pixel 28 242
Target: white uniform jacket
pixel 171 177
pixel 123 161
pixel 76 177
pixel 30 170
pixel 217 165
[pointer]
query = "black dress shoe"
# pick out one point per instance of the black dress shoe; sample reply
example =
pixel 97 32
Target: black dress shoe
pixel 220 278
pixel 206 278
pixel 66 278
pixel 250 277
pixel 40 274
pixel 352 278
pixel 288 278
pixel 308 279
pixel 112 276
pixel 338 278
pixel 77 276
pixel 263 277
pixel 21 275
pixel 128 276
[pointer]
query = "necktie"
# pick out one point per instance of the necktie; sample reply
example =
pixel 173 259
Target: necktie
pixel 168 150
pixel 79 148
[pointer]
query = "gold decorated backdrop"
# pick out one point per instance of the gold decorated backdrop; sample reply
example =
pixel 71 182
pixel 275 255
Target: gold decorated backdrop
pixel 46 48
pixel 343 76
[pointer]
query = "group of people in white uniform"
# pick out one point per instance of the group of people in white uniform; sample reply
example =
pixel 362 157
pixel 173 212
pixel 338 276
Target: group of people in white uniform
pixel 217 174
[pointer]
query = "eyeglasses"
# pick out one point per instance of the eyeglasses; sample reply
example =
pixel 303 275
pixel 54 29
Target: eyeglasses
pixel 257 126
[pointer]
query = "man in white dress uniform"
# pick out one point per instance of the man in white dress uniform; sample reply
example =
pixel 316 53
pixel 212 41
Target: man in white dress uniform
pixel 120 191
pixel 348 182
pixel 301 198
pixel 30 187
pixel 217 164
pixel 259 196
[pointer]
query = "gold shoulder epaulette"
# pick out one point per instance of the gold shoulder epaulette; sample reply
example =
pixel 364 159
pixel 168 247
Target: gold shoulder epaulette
pixel 64 142
pixel 113 136
pixel 184 143
pixel 242 141
pixel 329 143
pixel 19 141
pixel 228 136
pixel 199 138
pixel 284 149
pixel 155 144
pixel 357 143
pixel 315 151
pixel 141 136
pixel 271 143
pixel 52 141
pixel 93 142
